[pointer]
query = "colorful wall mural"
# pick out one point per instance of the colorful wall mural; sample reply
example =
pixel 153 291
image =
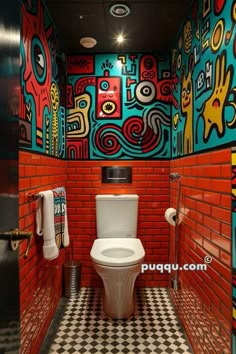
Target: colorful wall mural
pixel 43 79
pixel 204 61
pixel 119 106
pixel 205 119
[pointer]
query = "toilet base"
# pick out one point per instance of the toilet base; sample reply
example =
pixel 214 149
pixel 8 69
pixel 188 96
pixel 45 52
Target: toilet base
pixel 119 302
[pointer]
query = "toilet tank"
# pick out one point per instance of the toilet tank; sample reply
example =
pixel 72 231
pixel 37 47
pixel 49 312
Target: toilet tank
pixel 116 215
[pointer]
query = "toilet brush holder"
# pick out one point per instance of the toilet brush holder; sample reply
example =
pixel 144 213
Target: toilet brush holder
pixel 72 277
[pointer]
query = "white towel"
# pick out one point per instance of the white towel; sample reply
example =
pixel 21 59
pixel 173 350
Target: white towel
pixel 45 216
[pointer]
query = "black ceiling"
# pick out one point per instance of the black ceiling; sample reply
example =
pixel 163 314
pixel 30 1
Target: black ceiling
pixel 151 26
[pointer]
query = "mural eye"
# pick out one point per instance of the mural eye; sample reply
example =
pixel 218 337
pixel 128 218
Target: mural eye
pixel 104 85
pixel 148 64
pixel 38 59
pixel 179 61
pixel 188 88
pixel 82 104
pixel 145 92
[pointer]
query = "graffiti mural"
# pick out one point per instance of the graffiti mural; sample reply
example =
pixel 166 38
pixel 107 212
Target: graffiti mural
pixel 42 114
pixel 204 61
pixel 119 106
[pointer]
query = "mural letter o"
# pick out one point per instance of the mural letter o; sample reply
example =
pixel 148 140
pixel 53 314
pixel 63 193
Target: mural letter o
pixel 217 36
pixel 145 92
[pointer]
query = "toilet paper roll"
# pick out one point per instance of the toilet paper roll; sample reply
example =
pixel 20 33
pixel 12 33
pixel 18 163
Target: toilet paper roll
pixel 170 215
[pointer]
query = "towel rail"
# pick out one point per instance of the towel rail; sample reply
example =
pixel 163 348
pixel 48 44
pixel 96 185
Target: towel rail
pixel 32 197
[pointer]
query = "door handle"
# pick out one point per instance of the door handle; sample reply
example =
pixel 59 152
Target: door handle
pixel 14 236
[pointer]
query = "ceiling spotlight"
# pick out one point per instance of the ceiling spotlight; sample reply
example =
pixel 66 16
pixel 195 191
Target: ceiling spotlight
pixel 119 10
pixel 120 38
pixel 88 42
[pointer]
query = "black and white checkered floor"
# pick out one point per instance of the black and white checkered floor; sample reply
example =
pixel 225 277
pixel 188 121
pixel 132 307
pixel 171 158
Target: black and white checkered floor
pixel 154 328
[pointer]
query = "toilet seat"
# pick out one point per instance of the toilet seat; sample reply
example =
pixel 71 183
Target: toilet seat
pixel 117 252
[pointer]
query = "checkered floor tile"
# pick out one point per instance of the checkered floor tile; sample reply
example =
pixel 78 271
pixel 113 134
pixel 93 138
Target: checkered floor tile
pixel 154 327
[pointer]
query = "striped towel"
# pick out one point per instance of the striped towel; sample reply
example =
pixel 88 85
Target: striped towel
pixel 60 217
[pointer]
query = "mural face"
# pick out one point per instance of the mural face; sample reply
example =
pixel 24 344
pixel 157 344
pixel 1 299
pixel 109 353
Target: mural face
pixel 42 116
pixel 204 61
pixel 119 106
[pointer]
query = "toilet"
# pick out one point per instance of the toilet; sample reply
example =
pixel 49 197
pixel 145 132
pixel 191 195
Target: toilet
pixel 117 253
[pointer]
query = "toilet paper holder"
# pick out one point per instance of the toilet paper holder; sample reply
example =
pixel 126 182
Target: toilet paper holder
pixel 171 216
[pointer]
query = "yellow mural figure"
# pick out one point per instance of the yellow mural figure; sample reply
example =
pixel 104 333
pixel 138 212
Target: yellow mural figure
pixel 213 108
pixel 77 118
pixel 54 92
pixel 187 106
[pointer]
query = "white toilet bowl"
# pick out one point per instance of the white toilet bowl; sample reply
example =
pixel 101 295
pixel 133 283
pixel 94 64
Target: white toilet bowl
pixel 118 263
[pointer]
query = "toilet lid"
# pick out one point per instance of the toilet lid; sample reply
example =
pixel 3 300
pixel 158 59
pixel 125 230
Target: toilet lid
pixel 117 252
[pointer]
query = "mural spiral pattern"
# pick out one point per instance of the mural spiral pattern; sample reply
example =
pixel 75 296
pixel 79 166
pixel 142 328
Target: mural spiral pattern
pixel 132 130
pixel 107 140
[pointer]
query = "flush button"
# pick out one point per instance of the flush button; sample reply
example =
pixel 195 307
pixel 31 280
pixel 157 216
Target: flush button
pixel 116 174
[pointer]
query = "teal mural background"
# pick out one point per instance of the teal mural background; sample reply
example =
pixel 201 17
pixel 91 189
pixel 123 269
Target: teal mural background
pixel 204 60
pixel 119 107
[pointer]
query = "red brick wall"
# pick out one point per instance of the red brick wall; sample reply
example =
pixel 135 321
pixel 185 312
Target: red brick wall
pixel 150 182
pixel 204 302
pixel 40 280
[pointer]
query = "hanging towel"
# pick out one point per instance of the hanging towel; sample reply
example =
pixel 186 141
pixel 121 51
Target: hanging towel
pixel 60 217
pixel 45 224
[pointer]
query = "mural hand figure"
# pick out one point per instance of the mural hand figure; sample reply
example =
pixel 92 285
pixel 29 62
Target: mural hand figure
pixel 214 107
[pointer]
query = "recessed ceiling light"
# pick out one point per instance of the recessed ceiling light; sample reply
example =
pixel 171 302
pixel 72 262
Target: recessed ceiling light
pixel 120 38
pixel 119 10
pixel 88 42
